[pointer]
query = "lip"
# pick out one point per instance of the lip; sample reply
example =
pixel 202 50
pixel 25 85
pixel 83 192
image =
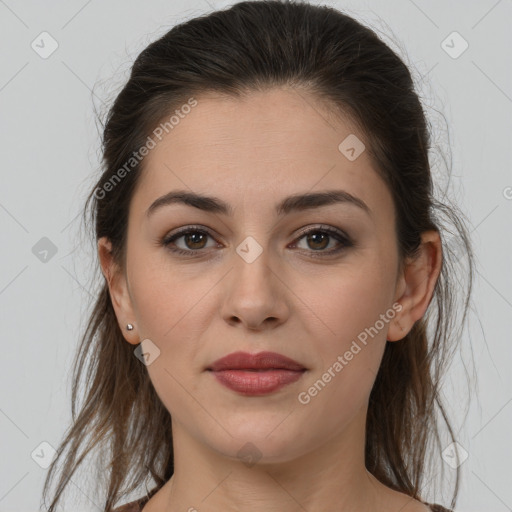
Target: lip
pixel 259 361
pixel 256 374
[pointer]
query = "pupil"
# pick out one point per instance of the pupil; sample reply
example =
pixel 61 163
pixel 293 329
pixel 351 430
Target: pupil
pixel 314 236
pixel 193 237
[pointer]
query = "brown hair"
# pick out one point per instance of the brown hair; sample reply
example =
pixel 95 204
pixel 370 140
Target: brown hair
pixel 256 45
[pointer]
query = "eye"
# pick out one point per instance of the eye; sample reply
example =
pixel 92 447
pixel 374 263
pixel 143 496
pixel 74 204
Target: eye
pixel 318 239
pixel 194 240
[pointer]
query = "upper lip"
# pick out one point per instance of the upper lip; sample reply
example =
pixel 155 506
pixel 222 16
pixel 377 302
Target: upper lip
pixel 259 361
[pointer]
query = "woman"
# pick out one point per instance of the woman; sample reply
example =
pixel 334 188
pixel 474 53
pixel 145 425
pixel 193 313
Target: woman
pixel 270 245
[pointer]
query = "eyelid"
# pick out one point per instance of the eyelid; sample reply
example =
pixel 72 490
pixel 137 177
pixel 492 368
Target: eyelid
pixel 179 232
pixel 343 238
pixel 322 227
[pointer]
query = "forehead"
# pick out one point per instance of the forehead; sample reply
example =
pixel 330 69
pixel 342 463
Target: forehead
pixel 258 149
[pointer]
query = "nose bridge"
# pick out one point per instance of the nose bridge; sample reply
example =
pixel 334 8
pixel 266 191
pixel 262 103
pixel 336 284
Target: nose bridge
pixel 254 292
pixel 252 267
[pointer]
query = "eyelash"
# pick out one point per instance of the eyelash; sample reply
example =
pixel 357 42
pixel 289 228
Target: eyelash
pixel 332 232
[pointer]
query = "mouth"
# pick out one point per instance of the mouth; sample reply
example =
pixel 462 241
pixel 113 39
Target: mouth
pixel 256 374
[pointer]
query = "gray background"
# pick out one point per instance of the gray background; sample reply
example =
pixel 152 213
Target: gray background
pixel 50 157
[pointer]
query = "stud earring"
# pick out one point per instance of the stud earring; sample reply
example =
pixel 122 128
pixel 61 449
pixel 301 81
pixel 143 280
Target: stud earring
pixel 129 327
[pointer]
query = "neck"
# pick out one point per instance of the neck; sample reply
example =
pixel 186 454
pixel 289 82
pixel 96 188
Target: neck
pixel 331 476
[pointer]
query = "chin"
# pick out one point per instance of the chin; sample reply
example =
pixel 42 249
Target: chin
pixel 262 442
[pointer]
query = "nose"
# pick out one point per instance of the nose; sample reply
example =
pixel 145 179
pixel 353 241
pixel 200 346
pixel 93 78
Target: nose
pixel 255 297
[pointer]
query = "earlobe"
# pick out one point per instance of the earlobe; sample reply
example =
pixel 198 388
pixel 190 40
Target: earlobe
pixel 417 284
pixel 118 290
pixel 396 332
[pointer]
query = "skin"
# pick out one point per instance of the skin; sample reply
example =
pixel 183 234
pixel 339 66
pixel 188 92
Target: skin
pixel 251 153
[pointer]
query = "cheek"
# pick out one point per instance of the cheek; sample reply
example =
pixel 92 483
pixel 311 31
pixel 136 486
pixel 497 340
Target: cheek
pixel 356 314
pixel 172 312
pixel 168 299
pixel 350 302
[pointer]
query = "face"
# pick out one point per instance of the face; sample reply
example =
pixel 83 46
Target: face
pixel 315 282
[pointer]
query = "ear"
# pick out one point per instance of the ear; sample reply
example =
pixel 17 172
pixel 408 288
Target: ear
pixel 415 287
pixel 118 288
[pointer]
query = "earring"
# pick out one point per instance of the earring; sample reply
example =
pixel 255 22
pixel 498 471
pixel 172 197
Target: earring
pixel 129 327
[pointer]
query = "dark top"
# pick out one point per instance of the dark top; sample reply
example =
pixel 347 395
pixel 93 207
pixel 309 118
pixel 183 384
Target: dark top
pixel 136 506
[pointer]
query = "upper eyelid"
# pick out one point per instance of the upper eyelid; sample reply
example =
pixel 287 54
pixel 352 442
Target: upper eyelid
pixel 193 228
pixel 330 230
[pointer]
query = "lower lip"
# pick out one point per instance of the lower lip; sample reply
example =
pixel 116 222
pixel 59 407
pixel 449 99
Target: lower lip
pixel 258 382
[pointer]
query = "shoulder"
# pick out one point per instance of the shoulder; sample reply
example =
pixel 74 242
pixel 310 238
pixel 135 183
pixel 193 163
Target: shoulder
pixel 136 505
pixel 420 506
pixel 133 506
pixel 438 508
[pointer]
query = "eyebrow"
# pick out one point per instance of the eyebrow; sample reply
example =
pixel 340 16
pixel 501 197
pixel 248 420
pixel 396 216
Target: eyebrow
pixel 293 203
